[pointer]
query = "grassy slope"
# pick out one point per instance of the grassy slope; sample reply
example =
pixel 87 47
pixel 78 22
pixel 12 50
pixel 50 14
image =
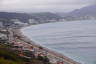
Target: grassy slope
pixel 8 56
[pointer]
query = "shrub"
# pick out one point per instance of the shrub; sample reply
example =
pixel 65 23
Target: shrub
pixel 40 58
pixel 3 61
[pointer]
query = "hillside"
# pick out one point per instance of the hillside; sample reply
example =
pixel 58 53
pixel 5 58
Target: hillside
pixel 88 10
pixel 85 13
pixel 24 17
pixel 21 16
pixel 9 56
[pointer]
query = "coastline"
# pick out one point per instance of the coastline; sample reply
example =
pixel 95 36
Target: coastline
pixel 53 55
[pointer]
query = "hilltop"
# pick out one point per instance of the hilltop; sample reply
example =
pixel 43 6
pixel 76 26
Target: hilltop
pixel 85 13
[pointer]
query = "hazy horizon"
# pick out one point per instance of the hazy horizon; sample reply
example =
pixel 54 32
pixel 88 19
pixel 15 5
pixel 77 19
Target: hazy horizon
pixel 43 5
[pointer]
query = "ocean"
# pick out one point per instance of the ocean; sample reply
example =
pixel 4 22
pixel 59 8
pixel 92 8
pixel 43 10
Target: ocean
pixel 74 39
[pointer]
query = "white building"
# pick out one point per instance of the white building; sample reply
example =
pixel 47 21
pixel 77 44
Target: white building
pixel 32 21
pixel 1 24
pixel 17 21
pixel 3 36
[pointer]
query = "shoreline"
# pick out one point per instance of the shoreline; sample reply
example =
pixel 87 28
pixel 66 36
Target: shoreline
pixel 53 55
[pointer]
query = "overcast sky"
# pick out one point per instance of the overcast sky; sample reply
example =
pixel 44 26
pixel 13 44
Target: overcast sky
pixel 43 5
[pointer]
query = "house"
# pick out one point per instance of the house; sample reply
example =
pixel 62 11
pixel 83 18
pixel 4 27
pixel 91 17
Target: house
pixel 1 24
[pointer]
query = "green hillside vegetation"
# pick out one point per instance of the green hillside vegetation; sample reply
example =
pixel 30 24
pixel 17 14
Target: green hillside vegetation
pixel 9 56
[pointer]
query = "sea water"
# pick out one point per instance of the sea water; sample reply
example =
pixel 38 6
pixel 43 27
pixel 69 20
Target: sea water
pixel 74 39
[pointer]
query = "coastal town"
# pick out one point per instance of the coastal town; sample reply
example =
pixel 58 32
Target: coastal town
pixel 12 23
pixel 47 31
pixel 29 49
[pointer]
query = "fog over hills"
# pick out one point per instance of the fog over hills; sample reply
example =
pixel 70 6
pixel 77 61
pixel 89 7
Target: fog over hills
pixel 32 18
pixel 85 13
pixel 88 10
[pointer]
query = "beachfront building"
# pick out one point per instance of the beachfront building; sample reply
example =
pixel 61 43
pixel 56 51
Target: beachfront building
pixel 32 21
pixel 1 24
pixel 2 35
